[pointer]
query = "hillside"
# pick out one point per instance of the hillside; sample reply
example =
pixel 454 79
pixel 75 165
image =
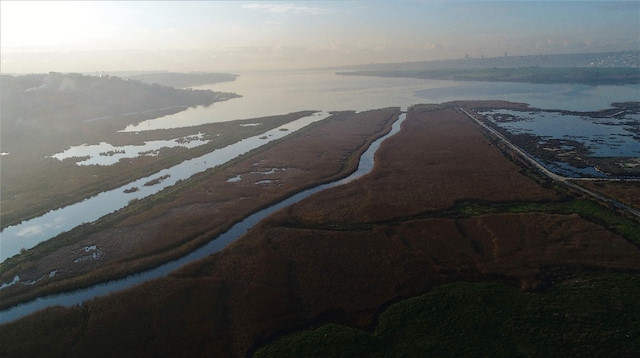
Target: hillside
pixel 182 80
pixel 55 106
pixel 43 114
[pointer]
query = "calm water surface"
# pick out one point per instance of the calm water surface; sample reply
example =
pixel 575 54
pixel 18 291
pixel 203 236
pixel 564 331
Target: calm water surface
pixel 605 137
pixel 272 93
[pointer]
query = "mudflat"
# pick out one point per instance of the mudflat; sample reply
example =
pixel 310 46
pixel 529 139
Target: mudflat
pixel 443 204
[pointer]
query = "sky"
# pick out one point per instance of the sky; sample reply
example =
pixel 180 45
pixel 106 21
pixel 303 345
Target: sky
pixel 87 36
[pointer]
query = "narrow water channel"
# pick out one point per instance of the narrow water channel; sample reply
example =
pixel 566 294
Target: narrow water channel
pixel 77 297
pixel 31 232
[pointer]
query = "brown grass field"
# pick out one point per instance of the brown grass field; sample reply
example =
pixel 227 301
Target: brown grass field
pixel 172 226
pixel 341 255
pixel 429 166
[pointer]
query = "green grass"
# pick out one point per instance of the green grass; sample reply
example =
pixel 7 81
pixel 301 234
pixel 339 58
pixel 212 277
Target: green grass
pixel 595 315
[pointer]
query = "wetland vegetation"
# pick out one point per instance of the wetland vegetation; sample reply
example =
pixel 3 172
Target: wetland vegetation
pixel 173 224
pixel 503 255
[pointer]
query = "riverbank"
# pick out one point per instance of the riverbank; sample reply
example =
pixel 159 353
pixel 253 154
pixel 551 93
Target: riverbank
pixel 443 204
pixel 187 215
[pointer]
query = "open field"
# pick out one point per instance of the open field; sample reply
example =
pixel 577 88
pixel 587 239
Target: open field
pixel 425 172
pixel 442 205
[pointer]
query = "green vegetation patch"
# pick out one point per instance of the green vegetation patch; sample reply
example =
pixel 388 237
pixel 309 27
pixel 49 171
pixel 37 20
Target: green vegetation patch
pixel 594 315
pixel 588 209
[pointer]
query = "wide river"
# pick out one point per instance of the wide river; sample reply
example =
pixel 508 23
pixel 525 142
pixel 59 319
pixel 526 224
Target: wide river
pixel 273 93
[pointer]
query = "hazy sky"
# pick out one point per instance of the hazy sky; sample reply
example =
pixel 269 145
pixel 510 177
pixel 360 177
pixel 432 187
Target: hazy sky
pixel 82 36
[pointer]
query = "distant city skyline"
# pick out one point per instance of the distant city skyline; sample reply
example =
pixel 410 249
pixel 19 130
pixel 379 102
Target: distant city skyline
pixel 239 36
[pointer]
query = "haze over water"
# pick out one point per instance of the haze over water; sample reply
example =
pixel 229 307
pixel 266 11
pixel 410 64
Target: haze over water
pixel 279 92
pixel 236 36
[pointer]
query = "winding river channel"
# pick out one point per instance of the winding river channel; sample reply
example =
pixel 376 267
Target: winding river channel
pixel 277 93
pixel 76 297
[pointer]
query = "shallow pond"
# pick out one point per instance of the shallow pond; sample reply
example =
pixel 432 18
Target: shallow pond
pixel 108 154
pixel 602 137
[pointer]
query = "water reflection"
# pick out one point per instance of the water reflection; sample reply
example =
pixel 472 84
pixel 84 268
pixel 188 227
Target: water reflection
pixel 276 93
